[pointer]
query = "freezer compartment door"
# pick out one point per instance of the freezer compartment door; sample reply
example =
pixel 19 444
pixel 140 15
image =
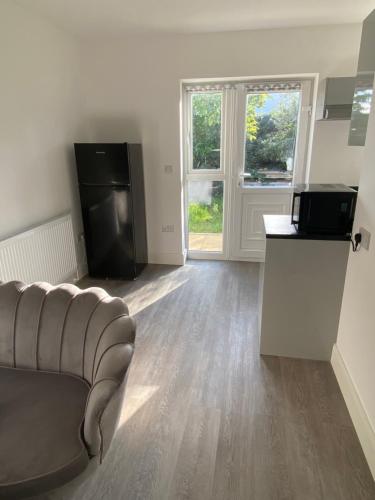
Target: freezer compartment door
pixel 102 164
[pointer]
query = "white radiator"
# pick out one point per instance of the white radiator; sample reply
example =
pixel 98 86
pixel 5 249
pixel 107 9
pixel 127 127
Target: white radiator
pixel 43 253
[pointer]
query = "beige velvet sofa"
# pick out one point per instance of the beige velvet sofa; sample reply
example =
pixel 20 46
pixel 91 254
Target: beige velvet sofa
pixel 64 356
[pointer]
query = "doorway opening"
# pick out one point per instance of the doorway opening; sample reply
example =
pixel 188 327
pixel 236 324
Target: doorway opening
pixel 245 144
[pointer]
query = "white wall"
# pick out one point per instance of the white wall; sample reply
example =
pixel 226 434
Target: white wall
pixel 356 337
pixel 39 106
pixel 132 93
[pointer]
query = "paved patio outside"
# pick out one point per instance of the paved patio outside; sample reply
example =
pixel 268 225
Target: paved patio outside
pixel 209 242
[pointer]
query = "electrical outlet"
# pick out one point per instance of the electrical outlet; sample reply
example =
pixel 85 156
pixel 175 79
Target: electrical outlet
pixel 169 228
pixel 366 236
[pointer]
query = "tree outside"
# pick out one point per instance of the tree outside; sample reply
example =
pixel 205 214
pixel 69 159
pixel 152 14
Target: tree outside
pixel 206 215
pixel 270 144
pixel 271 129
pixel 206 117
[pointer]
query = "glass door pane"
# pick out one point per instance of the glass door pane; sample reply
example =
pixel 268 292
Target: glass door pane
pixel 205 205
pixel 206 128
pixel 271 132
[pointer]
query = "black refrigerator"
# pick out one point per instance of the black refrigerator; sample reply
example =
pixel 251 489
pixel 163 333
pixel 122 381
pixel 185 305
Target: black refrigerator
pixel 111 188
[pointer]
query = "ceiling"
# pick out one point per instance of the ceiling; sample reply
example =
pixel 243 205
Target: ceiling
pixel 113 18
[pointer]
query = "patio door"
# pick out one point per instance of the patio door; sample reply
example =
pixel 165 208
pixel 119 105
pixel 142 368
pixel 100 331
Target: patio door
pixel 272 154
pixel 245 145
pixel 206 185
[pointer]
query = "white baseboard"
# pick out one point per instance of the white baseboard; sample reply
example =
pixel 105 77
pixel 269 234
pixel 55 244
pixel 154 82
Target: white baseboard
pixel 357 411
pixel 168 258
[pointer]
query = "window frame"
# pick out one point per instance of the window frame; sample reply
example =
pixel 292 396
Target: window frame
pixel 233 150
pixel 190 174
pixel 189 135
pixel 273 184
pixel 302 155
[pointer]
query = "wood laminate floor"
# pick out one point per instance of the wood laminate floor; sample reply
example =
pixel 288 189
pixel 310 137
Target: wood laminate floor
pixel 207 418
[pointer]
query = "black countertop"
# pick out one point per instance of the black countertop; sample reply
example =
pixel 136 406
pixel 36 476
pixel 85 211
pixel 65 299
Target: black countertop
pixel 279 226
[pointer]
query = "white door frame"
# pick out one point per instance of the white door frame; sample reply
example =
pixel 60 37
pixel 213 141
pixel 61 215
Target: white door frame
pixel 221 174
pixel 232 157
pixel 249 202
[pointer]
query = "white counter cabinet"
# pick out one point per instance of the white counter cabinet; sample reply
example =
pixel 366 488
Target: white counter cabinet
pixel 301 288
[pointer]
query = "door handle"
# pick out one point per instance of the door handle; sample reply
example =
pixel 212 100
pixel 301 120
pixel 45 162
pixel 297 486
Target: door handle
pixel 241 178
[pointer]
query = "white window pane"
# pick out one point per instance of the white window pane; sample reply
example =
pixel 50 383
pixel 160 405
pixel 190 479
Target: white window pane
pixel 206 215
pixel 206 125
pixel 271 131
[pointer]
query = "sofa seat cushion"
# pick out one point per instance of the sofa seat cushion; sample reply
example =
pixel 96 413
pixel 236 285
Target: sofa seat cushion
pixel 41 416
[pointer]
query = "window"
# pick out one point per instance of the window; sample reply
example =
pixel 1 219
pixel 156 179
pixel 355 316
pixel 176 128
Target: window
pixel 270 137
pixel 205 217
pixel 239 137
pixel 206 130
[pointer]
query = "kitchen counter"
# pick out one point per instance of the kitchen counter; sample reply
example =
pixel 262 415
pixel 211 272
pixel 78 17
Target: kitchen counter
pixel 301 288
pixel 280 226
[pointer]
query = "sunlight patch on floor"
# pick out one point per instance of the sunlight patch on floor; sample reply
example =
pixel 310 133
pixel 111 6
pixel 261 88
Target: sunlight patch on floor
pixel 152 292
pixel 135 397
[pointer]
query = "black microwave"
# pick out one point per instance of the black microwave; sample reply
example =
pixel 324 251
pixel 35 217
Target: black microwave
pixel 323 208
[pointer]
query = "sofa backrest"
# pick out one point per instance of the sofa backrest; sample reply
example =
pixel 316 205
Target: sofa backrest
pixel 64 329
